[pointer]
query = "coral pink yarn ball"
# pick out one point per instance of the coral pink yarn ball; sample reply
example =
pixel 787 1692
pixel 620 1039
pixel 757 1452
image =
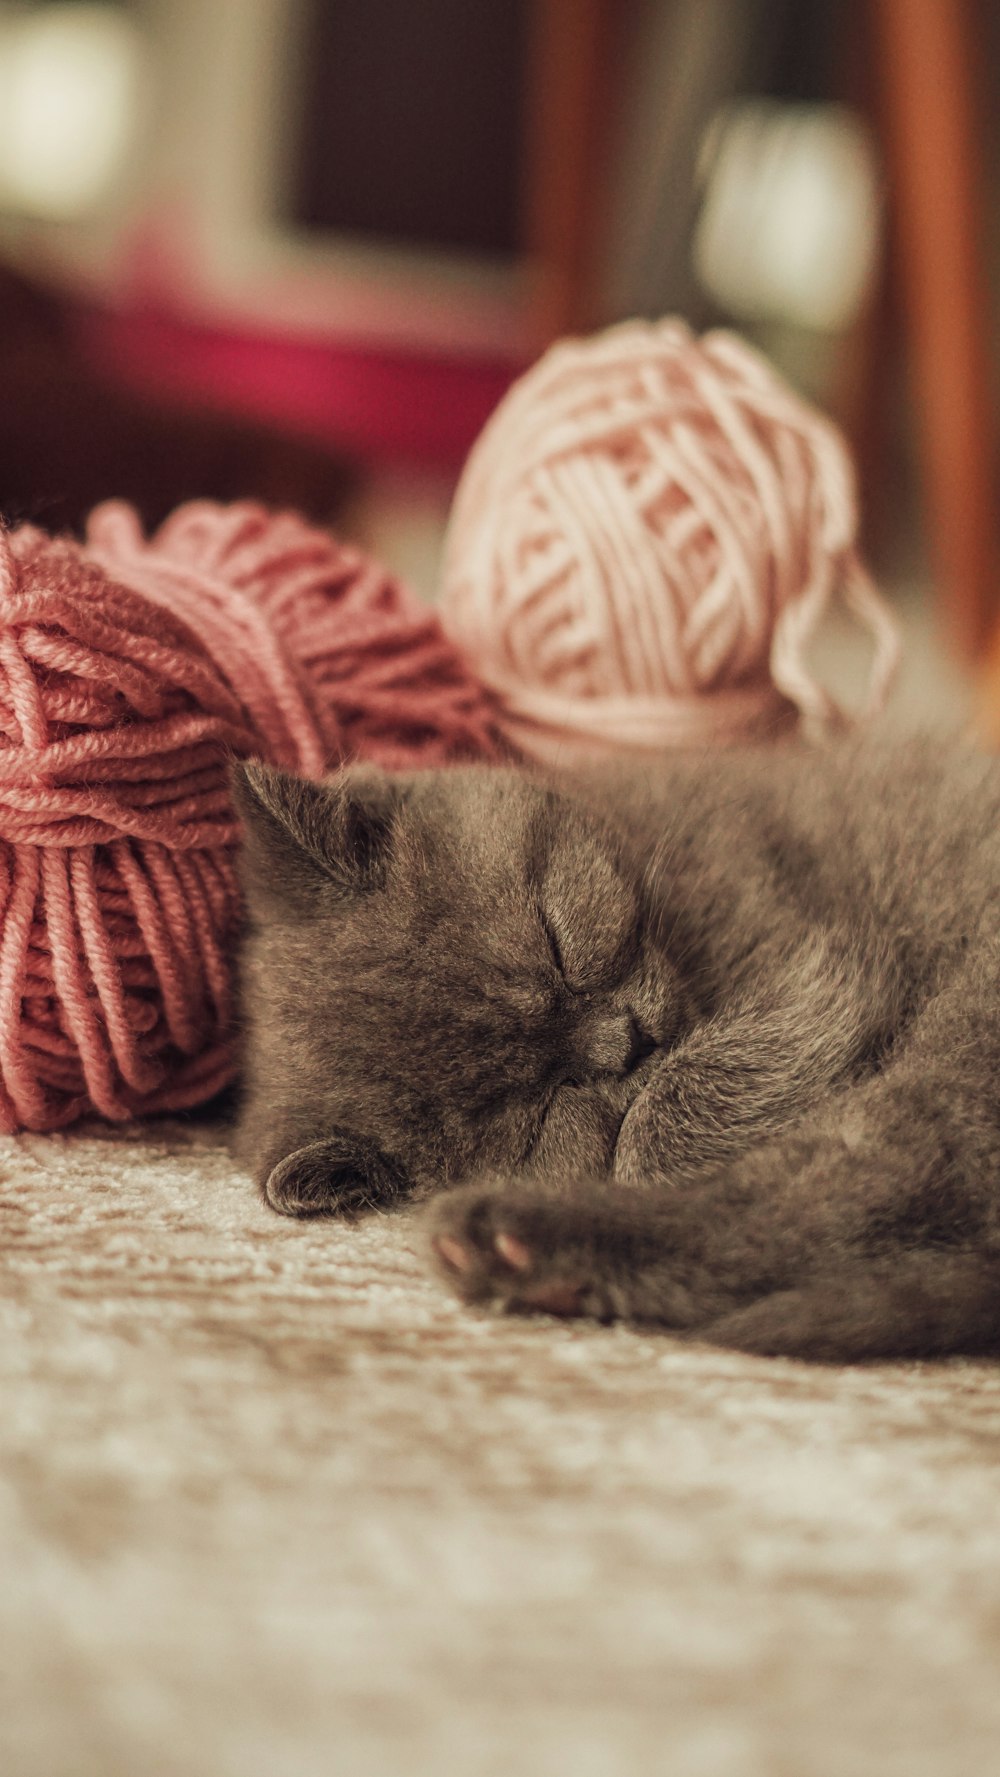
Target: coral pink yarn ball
pixel 131 672
pixel 643 541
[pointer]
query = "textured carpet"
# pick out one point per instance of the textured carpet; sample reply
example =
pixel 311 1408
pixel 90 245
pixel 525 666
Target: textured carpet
pixel 271 1503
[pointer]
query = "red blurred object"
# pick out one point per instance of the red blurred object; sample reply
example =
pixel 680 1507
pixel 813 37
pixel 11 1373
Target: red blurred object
pixel 380 403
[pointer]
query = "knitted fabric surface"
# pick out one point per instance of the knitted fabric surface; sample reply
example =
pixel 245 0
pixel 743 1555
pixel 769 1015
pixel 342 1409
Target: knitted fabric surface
pixel 644 540
pixel 131 673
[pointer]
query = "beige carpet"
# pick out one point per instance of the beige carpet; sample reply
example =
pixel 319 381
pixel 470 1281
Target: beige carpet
pixel 271 1504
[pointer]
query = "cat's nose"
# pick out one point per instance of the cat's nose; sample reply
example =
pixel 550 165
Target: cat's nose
pixel 612 1043
pixel 643 1044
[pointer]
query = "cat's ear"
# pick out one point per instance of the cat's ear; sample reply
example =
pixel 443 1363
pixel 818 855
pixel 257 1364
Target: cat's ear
pixel 339 1175
pixel 297 831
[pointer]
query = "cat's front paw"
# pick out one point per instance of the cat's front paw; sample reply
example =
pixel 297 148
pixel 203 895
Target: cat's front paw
pixel 566 1250
pixel 496 1244
pixel 338 1175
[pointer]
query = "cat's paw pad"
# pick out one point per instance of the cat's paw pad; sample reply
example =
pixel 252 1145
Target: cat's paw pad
pixel 461 1258
pixel 501 1247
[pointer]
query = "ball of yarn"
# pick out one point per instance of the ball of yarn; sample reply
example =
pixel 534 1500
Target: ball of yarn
pixel 643 541
pixel 131 673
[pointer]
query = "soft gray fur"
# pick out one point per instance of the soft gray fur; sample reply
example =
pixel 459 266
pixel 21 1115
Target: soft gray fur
pixel 713 1046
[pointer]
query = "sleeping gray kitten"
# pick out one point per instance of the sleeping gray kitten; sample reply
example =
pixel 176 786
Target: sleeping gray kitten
pixel 713 1045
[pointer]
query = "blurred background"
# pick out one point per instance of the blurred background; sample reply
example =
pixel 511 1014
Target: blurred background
pixel 299 249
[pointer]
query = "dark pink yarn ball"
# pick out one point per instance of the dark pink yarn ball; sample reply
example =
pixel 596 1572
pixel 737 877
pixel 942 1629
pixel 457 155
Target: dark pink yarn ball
pixel 131 672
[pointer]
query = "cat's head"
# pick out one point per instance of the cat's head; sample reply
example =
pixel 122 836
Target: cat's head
pixel 444 973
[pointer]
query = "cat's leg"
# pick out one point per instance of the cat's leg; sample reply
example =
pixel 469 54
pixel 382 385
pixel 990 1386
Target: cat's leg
pixel 585 1251
pixel 871 1228
pixel 923 1302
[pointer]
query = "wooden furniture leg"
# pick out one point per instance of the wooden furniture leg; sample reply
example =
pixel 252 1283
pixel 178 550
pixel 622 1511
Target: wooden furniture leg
pixel 926 68
pixel 570 111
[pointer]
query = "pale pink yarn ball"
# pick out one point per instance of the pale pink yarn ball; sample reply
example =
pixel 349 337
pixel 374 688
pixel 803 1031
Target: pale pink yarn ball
pixel 642 543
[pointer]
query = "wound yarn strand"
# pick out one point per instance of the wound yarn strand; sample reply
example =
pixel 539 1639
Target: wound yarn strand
pixel 643 542
pixel 131 671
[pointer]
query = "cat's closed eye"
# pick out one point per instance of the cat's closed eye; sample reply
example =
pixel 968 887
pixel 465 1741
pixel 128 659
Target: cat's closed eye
pixel 589 918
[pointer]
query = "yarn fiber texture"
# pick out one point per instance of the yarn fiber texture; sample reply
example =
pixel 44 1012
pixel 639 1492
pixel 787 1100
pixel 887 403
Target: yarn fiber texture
pixel 643 541
pixel 132 672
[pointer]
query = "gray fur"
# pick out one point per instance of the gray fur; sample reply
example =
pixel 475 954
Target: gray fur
pixel 712 1045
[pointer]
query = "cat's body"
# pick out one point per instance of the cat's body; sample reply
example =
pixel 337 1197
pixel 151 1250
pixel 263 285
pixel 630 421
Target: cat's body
pixel 713 1045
